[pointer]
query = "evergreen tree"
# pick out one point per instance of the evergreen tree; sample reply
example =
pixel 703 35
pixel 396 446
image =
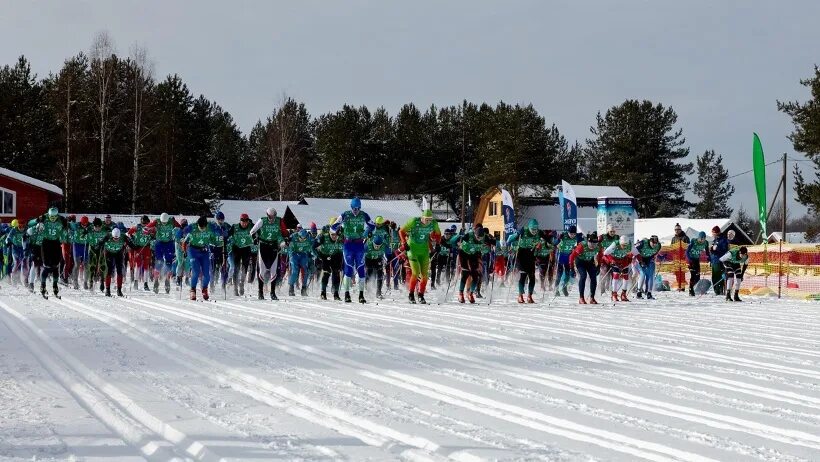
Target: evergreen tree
pixel 27 123
pixel 713 187
pixel 746 222
pixel 806 139
pixel 636 146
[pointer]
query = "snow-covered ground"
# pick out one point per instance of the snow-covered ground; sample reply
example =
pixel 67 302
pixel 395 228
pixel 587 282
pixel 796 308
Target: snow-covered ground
pixel 152 377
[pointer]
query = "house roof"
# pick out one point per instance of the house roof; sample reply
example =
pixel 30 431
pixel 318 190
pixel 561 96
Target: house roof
pixel 129 220
pixel 319 209
pixel 30 181
pixel 664 228
pixel 256 209
pixel 792 238
pixel 581 191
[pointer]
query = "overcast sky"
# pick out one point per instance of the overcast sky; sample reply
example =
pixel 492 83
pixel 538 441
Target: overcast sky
pixel 721 65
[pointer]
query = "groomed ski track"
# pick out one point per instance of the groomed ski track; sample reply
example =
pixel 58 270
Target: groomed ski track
pixel 152 377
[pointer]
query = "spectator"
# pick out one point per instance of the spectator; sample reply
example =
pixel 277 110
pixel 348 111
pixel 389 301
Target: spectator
pixel 720 245
pixel 679 244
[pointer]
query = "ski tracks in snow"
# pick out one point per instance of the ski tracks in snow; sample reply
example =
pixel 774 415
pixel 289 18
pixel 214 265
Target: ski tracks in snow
pixel 671 382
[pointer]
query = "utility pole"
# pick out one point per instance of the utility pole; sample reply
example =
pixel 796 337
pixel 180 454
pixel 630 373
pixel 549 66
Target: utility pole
pixel 782 227
pixel 463 167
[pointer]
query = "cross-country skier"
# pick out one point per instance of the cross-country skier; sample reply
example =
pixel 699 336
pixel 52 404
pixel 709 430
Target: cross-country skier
pixel 67 262
pixel 164 249
pixel 53 228
pixel 418 236
pixel 97 267
pixel 523 245
pixel 374 260
pixel 219 265
pixel 735 262
pixel 357 225
pixel 585 258
pixel 329 249
pixel 646 252
pixel 565 245
pixel 15 243
pixel 605 282
pixel 300 254
pixel 272 234
pixel 696 248
pixel 619 257
pixel 199 239
pixel 241 241
pixel 115 246
pixel 679 243
pixel 80 252
pixel 469 258
pixel 141 237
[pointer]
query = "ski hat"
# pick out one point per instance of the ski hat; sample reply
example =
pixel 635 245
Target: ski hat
pixel 377 241
pixel 220 216
pixel 610 228
pixel 271 212
pixel 715 230
pixel 303 234
pixel 592 237
pixel 97 222
pixel 14 223
pixel 453 228
pixel 115 233
pixel 72 218
pixel 479 230
pixel 184 222
pixel 298 226
pixel 52 212
pixel 427 214
pixel 202 222
pixel 355 203
pixel 701 235
pixel 84 220
pixel 449 231
pixel 532 224
pixel 144 220
pixel 744 250
pixel 333 231
pixel 379 220
pixel 573 229
pixel 244 217
pixel 164 218
pixel 624 240
pixel 108 217
pixel 313 227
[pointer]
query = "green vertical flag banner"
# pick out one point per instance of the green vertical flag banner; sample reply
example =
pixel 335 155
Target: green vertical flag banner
pixel 760 182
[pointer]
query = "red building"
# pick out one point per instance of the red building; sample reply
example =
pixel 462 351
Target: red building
pixel 24 197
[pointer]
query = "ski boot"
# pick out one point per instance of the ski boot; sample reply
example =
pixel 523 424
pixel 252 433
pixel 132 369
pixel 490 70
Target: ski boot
pixel 478 294
pixel 412 298
pixel 592 301
pixel 323 295
pixel 145 287
pixel 379 295
pixel 102 287
pixel 242 288
pixel 119 292
pixel 581 301
pixel 85 285
pixel 168 286
pixel 193 294
pixel 347 297
pixel 273 296
pixel 108 291
pixel 421 299
pixel 76 285
pixel 55 290
pixel 261 294
pixel 529 299
pixel 361 297
pixel 623 296
pixel 649 296
pixel 737 298
pixel 135 284
pixel 691 292
pixel 291 291
pixel 615 296
pixel 461 297
pixel 43 290
pixel 433 286
pixel 565 291
pixel 156 286
pixel 471 297
pixel 336 296
pixel 205 294
pixel 521 298
pixel 304 291
pixel 640 294
pixel 235 291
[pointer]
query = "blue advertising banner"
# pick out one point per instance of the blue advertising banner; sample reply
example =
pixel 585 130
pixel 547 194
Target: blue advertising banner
pixel 569 205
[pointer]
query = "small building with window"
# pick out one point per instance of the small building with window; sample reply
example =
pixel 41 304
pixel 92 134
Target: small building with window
pixel 24 197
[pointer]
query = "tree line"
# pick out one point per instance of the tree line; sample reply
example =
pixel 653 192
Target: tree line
pixel 117 139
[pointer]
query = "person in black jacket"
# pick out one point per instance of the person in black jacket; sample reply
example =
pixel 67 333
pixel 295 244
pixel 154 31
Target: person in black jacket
pixel 720 245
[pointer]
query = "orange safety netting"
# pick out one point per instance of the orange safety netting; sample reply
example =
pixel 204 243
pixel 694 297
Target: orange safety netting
pixel 792 272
